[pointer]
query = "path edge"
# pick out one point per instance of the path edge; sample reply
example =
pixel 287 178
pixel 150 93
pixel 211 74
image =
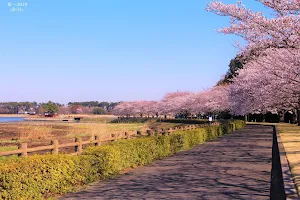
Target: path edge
pixel 288 179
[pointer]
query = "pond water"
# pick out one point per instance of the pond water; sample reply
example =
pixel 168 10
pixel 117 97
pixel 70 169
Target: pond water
pixel 11 119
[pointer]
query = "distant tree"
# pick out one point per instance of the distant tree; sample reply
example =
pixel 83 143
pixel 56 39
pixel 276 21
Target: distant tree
pixel 40 110
pixel 87 110
pixel 107 106
pixel 4 110
pixel 99 111
pixel 174 102
pixel 84 103
pixel 103 105
pixel 111 106
pixel 14 107
pixel 76 109
pixel 64 110
pixel 235 64
pixel 50 107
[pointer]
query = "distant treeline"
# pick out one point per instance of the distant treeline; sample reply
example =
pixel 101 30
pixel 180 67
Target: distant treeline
pixel 108 106
pixel 88 107
pixel 15 107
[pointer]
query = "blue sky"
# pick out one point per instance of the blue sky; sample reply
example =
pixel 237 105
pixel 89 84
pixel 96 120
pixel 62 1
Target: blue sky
pixel 110 50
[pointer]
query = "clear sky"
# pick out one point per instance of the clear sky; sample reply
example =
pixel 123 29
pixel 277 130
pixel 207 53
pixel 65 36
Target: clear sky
pixel 110 50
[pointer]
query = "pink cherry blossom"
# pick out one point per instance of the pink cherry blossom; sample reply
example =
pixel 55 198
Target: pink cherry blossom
pixel 261 32
pixel 269 82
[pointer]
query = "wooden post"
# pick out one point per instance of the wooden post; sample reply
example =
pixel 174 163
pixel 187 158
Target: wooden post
pixel 78 148
pixel 55 146
pixel 98 141
pixel 163 131
pixel 127 135
pixel 92 138
pixel 23 147
pixel 148 132
pixel 114 137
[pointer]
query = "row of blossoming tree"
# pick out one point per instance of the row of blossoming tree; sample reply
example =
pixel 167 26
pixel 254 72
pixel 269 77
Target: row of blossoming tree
pixel 268 81
pixel 211 101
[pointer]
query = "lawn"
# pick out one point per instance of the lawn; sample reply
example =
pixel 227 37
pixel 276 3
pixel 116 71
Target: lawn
pixel 290 137
pixel 39 133
pixel 7 148
pixel 28 131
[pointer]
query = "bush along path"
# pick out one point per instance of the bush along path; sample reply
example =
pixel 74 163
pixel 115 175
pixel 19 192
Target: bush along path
pixel 44 176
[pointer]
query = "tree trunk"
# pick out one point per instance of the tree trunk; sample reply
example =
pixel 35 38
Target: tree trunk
pixel 298 116
pixel 294 116
pixel 281 116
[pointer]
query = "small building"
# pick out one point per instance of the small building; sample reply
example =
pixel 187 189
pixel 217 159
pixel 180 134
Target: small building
pixel 49 114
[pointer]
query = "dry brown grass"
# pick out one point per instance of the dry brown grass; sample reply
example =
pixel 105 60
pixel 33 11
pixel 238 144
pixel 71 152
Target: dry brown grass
pixel 43 130
pixel 88 116
pixel 290 137
pixel 39 133
pixel 59 116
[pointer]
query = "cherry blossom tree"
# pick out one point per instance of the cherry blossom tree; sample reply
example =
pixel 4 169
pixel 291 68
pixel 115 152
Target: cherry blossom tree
pixel 270 82
pixel 214 100
pixel 209 101
pixel 270 78
pixel 136 108
pixel 217 99
pixel 124 109
pixel 261 32
pixel 173 103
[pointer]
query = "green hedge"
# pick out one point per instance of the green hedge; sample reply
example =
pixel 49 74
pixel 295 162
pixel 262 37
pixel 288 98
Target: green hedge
pixel 133 120
pixel 145 119
pixel 184 121
pixel 42 176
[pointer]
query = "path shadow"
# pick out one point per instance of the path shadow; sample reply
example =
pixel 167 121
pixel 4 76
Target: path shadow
pixel 236 166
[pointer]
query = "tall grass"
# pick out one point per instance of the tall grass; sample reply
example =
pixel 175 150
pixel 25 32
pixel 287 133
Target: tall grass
pixel 46 130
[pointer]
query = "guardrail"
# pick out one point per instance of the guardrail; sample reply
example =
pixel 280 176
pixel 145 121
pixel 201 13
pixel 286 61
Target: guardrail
pixel 54 147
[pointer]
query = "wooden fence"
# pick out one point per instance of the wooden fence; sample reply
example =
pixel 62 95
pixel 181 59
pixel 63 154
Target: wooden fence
pixel 54 147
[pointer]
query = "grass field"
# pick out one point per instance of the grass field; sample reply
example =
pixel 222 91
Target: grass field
pixel 290 136
pixel 7 148
pixel 39 133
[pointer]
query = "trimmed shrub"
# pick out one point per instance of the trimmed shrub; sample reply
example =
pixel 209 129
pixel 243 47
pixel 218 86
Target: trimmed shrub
pixel 133 120
pixel 42 176
pixel 150 119
pixel 184 121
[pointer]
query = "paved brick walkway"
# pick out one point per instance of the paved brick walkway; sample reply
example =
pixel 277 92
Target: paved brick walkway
pixel 236 166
